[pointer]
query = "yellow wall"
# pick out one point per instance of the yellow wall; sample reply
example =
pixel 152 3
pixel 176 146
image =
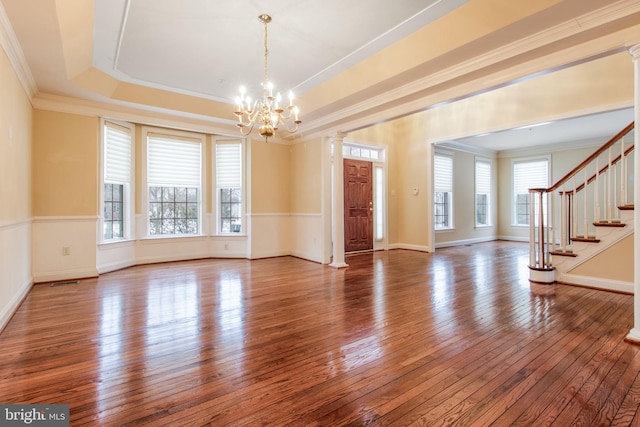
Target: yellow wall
pixel 16 119
pixel 270 177
pixel 591 87
pixel 620 255
pixel 15 145
pixel 65 164
pixel 306 177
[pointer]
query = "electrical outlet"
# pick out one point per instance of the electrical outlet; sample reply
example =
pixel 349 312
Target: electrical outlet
pixel 66 250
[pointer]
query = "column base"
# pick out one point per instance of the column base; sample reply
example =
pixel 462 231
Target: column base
pixel 633 337
pixel 543 276
pixel 338 265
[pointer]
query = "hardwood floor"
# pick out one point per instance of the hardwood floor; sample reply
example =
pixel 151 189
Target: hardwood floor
pixel 459 337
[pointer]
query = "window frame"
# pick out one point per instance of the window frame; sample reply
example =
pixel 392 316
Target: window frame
pixel 217 209
pixel 176 135
pixel 450 202
pixel 489 198
pixel 514 187
pixel 128 190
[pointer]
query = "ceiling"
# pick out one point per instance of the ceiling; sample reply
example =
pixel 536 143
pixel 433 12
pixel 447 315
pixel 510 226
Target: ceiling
pixel 206 49
pixel 596 128
pixel 211 48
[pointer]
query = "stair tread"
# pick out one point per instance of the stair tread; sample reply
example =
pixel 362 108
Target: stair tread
pixel 588 239
pixel 564 253
pixel 626 207
pixel 609 224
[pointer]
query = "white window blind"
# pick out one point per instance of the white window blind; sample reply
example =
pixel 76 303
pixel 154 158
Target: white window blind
pixel 173 162
pixel 443 173
pixel 117 158
pixel 228 164
pixel 483 177
pixel 530 174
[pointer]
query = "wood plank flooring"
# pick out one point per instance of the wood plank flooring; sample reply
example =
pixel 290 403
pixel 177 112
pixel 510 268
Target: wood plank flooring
pixel 459 337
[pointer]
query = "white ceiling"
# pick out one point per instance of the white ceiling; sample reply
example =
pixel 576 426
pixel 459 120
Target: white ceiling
pixel 211 48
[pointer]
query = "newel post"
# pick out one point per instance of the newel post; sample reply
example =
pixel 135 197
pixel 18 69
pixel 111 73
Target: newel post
pixel 634 334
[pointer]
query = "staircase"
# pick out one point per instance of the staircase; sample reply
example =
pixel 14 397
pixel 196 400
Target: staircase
pixel 587 212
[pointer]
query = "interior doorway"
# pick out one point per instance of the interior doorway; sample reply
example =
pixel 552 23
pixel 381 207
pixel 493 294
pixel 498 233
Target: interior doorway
pixel 358 205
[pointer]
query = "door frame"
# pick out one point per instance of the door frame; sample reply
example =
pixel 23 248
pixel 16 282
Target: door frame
pixel 331 220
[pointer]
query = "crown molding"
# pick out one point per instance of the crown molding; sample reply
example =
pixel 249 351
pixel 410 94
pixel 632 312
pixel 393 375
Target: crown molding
pixel 387 102
pixel 11 46
pixel 150 116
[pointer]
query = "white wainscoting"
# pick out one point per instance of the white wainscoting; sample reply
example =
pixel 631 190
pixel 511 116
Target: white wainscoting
pixel 51 236
pixel 15 266
pixel 307 237
pixel 270 235
pixel 163 249
pixel 115 256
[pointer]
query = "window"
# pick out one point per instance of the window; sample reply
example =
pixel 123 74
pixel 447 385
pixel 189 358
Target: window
pixel 229 185
pixel 533 173
pixel 443 185
pixel 357 151
pixel 173 184
pixel 483 192
pixel 116 183
pixel 378 202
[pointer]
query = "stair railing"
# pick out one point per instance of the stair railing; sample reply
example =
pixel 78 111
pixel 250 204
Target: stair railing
pixel 591 193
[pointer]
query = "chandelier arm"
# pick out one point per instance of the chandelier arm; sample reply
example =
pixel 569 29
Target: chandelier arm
pixel 242 128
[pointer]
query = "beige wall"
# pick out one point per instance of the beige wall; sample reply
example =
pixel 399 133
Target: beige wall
pixel 270 177
pixel 620 255
pixel 65 164
pixel 594 86
pixel 306 177
pixel 15 145
pixel 15 190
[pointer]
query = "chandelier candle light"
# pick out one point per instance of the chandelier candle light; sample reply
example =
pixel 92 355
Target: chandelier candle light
pixel 267 113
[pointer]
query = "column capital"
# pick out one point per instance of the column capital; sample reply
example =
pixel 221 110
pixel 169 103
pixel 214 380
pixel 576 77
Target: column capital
pixel 635 51
pixel 338 136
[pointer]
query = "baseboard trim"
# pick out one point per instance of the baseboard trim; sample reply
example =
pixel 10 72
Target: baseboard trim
pixel 12 308
pixel 596 283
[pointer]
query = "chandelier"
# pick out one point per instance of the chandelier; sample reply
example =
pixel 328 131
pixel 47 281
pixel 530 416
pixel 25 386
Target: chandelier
pixel 269 112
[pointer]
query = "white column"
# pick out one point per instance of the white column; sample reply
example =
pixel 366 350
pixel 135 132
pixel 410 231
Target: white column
pixel 338 203
pixel 634 334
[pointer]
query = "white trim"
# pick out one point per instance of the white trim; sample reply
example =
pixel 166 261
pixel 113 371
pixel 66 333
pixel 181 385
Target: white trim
pixel 597 283
pixel 6 225
pixel 52 219
pixel 14 304
pixel 513 239
pixel 214 223
pixel 410 247
pixel 79 273
pixel 143 233
pixel 464 242
pixel 11 46
pixel 143 115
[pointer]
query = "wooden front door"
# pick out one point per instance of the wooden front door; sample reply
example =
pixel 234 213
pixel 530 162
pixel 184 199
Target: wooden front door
pixel 358 205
